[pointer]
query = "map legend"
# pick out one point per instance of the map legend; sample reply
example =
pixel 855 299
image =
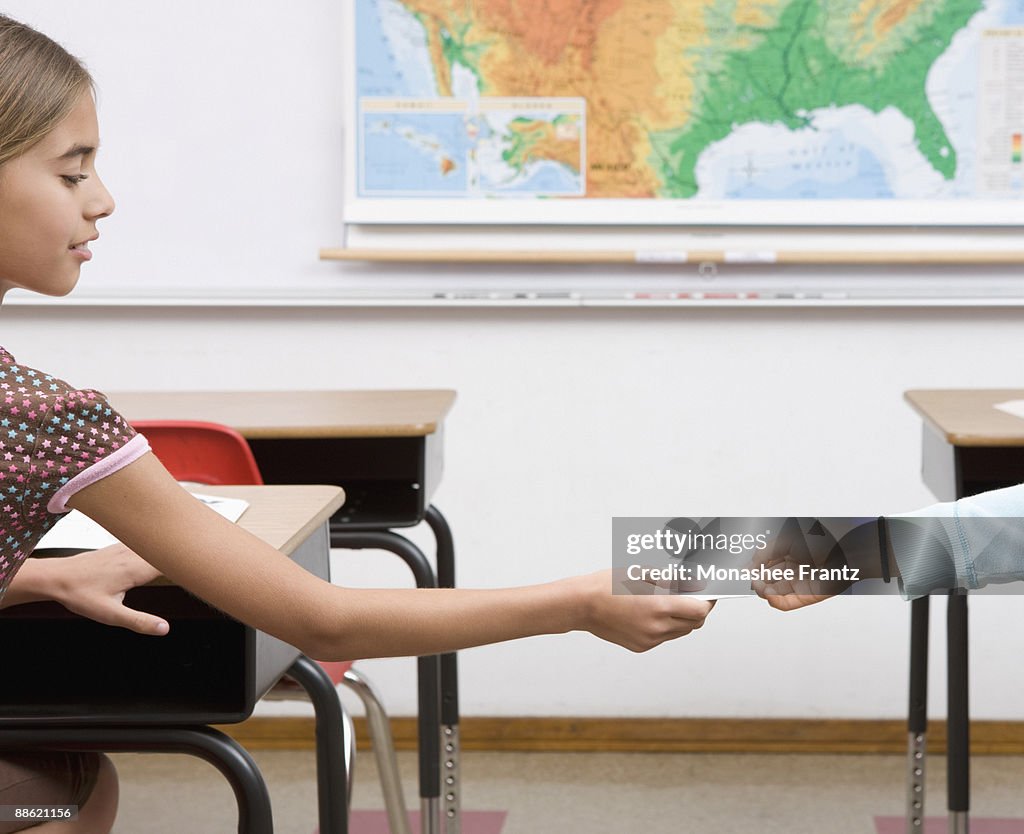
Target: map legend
pixel 1000 112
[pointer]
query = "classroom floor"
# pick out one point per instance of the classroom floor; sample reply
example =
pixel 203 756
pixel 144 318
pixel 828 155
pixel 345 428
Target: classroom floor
pixel 591 793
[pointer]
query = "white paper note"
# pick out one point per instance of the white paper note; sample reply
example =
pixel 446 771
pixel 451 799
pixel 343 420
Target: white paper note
pixel 1014 407
pixel 76 531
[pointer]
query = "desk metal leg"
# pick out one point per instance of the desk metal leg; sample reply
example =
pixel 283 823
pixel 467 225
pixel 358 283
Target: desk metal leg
pixel 232 760
pixel 958 753
pixel 430 743
pixel 450 742
pixel 331 773
pixel 428 669
pixel 917 716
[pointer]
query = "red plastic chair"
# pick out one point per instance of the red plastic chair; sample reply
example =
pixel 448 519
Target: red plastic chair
pixel 217 455
pixel 203 453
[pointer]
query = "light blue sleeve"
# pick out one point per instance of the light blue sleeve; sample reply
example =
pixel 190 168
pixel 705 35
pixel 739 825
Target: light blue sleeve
pixel 968 543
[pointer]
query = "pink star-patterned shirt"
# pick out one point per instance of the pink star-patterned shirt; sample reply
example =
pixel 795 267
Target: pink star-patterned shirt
pixel 54 441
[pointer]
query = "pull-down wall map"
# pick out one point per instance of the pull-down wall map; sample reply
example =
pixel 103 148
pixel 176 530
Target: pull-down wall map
pixel 686 111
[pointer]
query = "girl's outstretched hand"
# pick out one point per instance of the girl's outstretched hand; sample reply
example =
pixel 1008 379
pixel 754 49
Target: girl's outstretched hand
pixel 638 622
pixel 93 585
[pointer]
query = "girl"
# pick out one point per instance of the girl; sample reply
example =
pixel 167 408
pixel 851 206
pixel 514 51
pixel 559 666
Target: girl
pixel 63 448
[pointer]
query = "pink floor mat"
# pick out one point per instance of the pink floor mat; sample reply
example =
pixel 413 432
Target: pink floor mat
pixel 473 822
pixel 940 825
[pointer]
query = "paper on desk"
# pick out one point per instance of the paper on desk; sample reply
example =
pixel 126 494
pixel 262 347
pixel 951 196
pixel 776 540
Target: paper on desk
pixel 710 597
pixel 1014 407
pixel 76 531
pixel 706 597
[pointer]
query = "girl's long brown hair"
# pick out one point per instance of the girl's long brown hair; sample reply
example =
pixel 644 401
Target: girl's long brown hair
pixel 40 83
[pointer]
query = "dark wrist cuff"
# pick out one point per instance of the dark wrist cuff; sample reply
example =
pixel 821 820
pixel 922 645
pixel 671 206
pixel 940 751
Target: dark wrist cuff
pixel 883 549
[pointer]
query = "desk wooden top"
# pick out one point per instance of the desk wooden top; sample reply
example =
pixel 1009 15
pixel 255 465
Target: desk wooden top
pixel 283 516
pixel 968 417
pixel 297 414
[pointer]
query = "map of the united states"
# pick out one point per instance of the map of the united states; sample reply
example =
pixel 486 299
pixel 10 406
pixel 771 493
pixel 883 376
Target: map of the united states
pixel 686 99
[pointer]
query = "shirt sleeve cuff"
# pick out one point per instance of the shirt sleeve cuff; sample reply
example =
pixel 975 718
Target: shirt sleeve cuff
pixel 131 451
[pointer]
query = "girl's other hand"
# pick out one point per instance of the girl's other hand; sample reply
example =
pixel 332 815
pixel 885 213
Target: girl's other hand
pixel 93 585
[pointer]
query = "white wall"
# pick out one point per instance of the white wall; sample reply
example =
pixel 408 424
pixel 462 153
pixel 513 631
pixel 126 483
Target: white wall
pixel 566 418
pixel 228 166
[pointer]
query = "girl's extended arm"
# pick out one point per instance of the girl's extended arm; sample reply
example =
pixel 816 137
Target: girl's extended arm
pixel 196 548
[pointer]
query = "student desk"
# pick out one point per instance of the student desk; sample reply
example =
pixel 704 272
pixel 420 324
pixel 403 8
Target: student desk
pixel 74 684
pixel 385 449
pixel 968 447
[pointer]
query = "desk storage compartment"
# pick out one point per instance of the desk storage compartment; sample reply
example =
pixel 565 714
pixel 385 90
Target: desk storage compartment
pixel 57 665
pixel 388 481
pixel 984 468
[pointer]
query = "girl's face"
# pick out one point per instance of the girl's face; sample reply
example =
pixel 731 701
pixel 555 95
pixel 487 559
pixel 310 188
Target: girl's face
pixel 50 200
